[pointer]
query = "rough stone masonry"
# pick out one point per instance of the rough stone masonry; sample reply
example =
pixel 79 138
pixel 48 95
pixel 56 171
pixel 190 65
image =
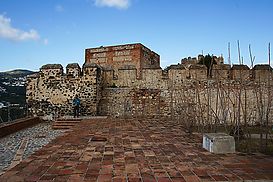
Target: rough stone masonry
pixel 127 80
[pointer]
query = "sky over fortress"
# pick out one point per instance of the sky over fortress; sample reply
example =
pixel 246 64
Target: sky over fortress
pixel 33 33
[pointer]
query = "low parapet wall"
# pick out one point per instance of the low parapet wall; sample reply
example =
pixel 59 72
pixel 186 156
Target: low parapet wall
pixel 18 125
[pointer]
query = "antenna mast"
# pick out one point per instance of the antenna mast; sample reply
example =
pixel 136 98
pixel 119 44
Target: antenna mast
pixel 269 53
pixel 229 62
pixel 239 51
pixel 250 54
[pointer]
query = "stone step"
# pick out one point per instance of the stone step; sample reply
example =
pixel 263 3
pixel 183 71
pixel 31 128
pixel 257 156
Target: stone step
pixel 61 127
pixel 67 122
pixel 64 124
pixel 69 119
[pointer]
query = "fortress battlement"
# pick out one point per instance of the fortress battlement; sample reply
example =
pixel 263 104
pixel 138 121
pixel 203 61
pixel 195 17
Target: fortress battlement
pixel 174 73
pixel 119 79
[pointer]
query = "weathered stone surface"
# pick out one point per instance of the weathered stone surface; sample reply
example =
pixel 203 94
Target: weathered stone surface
pixel 51 93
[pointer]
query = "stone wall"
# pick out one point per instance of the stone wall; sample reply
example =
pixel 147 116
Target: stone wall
pixel 204 102
pixel 240 72
pixel 159 79
pixel 160 92
pixel 221 71
pixel 129 82
pixel 128 102
pixel 51 92
pixel 262 73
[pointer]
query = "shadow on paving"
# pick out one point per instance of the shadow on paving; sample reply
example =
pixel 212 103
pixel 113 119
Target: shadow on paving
pixel 135 150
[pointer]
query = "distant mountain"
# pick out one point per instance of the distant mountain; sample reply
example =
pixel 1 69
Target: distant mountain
pixel 16 73
pixel 13 86
pixel 13 93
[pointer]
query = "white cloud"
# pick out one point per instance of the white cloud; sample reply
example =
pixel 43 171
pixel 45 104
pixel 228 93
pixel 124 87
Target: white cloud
pixel 59 8
pixel 120 4
pixel 11 33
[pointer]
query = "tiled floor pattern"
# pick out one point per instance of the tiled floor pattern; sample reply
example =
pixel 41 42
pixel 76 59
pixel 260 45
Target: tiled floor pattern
pixel 20 145
pixel 135 150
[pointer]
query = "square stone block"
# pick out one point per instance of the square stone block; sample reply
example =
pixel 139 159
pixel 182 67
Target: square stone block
pixel 219 143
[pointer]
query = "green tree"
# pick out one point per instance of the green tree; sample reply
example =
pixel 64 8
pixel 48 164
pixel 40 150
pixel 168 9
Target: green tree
pixel 208 61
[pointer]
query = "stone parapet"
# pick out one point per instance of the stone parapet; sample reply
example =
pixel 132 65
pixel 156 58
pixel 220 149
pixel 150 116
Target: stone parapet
pixel 18 125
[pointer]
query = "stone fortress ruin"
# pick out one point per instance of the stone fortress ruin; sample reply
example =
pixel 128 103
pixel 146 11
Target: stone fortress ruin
pixel 127 81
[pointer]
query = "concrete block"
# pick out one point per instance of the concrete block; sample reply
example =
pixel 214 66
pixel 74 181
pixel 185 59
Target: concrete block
pixel 219 143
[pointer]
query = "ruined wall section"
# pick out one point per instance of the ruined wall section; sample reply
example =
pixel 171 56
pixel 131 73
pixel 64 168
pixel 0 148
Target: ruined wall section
pixel 51 92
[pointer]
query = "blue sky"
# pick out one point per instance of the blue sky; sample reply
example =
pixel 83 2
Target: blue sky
pixel 33 33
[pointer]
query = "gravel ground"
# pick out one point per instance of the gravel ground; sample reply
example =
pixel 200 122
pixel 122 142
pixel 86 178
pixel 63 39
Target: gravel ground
pixel 37 136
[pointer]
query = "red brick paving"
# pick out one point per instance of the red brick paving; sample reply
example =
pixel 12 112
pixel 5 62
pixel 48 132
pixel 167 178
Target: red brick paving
pixel 135 150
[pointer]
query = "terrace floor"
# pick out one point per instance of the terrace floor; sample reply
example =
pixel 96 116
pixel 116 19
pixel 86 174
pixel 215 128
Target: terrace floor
pixel 135 150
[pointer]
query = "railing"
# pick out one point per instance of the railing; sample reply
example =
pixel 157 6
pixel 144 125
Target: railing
pixel 10 114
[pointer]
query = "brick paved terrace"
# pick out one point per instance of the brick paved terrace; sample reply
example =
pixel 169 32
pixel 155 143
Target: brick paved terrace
pixel 135 150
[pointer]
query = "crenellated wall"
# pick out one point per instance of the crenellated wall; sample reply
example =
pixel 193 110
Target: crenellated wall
pixel 142 88
pixel 50 92
pixel 159 79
